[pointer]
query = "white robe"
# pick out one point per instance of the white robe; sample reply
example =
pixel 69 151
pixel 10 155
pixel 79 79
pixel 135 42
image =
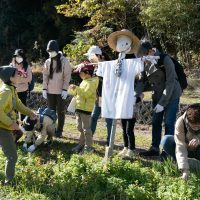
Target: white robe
pixel 118 92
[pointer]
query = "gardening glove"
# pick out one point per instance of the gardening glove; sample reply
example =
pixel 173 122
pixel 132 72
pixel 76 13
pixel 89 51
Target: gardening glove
pixel 44 94
pixel 64 94
pixel 25 146
pixel 31 148
pixel 185 174
pixel 158 108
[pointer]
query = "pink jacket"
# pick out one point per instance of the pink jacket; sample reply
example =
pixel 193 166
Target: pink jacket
pixel 22 82
pixel 60 80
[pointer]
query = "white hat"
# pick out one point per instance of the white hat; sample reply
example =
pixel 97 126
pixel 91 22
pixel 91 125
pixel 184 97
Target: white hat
pixel 93 50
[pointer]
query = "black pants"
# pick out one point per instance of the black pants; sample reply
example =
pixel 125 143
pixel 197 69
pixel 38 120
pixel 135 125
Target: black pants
pixel 22 96
pixel 128 132
pixel 55 102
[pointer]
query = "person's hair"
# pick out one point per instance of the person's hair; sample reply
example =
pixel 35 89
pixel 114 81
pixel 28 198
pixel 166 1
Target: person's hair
pixel 20 52
pixel 193 113
pixel 90 72
pixel 58 66
pixel 145 46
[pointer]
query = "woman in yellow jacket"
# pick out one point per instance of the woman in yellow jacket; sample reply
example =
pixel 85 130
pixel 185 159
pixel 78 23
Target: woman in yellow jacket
pixel 85 100
pixel 9 102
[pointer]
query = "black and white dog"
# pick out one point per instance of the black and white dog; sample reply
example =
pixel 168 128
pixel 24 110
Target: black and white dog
pixel 37 131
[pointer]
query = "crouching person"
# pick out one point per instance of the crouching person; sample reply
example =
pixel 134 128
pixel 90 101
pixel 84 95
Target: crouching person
pixel 186 141
pixel 39 130
pixel 85 95
pixel 9 103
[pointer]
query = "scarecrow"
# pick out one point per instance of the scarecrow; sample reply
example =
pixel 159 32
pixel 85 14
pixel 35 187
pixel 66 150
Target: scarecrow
pixel 118 98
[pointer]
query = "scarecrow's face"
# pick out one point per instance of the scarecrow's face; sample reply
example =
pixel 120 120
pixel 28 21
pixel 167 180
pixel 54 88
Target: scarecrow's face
pixel 123 44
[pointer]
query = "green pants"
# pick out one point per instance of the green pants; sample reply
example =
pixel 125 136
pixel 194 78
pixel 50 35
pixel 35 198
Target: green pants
pixel 9 149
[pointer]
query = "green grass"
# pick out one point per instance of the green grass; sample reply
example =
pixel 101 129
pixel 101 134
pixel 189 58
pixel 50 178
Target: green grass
pixel 54 173
pixel 57 174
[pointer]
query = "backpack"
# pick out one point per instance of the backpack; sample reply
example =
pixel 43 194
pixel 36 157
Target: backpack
pixel 179 70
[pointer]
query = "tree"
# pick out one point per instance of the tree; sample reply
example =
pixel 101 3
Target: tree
pixel 104 17
pixel 175 22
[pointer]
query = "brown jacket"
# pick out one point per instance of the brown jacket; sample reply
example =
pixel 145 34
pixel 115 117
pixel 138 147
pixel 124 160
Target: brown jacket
pixel 183 136
pixel 60 80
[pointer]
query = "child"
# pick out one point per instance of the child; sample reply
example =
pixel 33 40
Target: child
pixel 186 140
pixel 85 99
pixel 9 102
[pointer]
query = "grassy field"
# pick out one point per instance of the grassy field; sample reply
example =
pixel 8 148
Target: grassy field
pixel 55 173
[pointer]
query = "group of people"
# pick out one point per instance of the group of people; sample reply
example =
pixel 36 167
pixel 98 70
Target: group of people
pixel 180 141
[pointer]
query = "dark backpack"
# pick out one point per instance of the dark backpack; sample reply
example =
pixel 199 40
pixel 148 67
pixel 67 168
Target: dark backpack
pixel 31 84
pixel 179 70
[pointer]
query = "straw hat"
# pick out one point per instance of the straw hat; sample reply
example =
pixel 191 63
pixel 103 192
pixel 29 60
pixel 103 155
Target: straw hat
pixel 112 40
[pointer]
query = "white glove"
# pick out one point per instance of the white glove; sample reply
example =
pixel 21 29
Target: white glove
pixel 44 94
pixel 25 146
pixel 31 148
pixel 158 108
pixel 185 174
pixel 64 94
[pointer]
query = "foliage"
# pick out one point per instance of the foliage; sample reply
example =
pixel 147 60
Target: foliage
pixel 118 13
pixel 103 17
pixel 83 40
pixel 56 174
pixel 30 25
pixel 176 23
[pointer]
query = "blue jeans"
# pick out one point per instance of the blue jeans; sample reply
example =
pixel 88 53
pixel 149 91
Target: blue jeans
pixel 169 114
pixel 169 146
pixel 94 118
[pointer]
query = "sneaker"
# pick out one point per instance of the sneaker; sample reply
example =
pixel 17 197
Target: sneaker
pixel 130 154
pixel 87 150
pixel 8 183
pixel 151 152
pixel 123 152
pixel 163 156
pixel 58 134
pixel 78 148
pixel 48 143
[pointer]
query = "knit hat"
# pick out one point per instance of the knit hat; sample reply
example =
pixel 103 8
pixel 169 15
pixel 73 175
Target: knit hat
pixel 6 72
pixel 93 50
pixel 52 46
pixel 19 52
pixel 112 40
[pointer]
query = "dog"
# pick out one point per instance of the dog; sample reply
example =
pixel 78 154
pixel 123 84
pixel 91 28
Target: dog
pixel 40 129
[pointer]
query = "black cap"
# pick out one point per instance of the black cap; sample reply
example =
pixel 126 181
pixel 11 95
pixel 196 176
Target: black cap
pixel 6 72
pixel 144 48
pixel 52 46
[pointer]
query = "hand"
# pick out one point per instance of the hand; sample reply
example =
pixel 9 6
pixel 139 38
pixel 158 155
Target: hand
pixel 44 94
pixel 141 96
pixel 31 148
pixel 25 146
pixel 14 126
pixel 158 108
pixel 72 86
pixel 64 94
pixel 185 174
pixel 194 143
